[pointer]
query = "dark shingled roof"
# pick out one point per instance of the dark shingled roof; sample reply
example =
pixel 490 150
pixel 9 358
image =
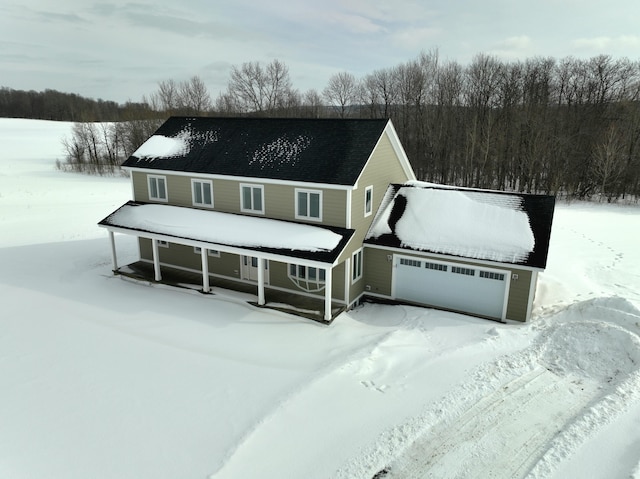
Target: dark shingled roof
pixel 331 151
pixel 539 209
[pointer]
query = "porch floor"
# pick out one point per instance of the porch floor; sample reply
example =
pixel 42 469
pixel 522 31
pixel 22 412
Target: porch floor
pixel 291 303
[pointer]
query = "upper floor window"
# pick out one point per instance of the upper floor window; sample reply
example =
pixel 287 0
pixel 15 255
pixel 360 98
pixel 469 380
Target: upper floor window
pixel 202 192
pixel 368 200
pixel 252 198
pixel 157 188
pixel 309 204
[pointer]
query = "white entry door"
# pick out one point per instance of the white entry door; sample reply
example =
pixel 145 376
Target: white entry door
pixel 458 287
pixel 249 268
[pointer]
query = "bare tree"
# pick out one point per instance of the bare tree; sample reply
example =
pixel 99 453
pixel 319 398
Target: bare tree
pixel 260 89
pixel 341 91
pixel 194 97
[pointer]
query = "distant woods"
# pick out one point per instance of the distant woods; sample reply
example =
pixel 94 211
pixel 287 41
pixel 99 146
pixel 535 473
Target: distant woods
pixel 568 127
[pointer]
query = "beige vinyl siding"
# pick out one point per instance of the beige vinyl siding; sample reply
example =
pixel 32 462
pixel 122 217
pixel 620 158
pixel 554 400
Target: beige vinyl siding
pixel 377 271
pixel 378 274
pixel 519 295
pixel 279 200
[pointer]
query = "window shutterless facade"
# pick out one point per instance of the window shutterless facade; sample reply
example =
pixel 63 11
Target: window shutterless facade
pixel 210 252
pixel 307 277
pixel 157 188
pixel 202 192
pixel 309 204
pixel 356 266
pixel 368 200
pixel 251 198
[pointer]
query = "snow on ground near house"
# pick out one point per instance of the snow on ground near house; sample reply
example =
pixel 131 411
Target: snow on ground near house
pixel 102 377
pixel 224 228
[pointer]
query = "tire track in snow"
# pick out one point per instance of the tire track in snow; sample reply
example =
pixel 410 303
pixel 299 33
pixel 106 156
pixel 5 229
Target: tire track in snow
pixel 577 376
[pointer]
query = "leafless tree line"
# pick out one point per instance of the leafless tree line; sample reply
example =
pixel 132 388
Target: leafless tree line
pixel 565 127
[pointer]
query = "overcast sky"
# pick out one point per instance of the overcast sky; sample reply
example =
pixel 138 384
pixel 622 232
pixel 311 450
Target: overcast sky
pixel 120 50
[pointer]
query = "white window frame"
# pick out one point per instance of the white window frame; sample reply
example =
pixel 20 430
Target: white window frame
pixel 155 178
pixel 308 193
pixel 210 252
pixel 356 266
pixel 368 191
pixel 299 274
pixel 253 187
pixel 163 244
pixel 197 183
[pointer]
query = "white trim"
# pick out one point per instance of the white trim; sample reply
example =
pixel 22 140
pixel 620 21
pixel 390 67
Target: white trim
pixel 303 281
pixel 166 188
pixel 253 186
pixel 244 179
pixel 163 243
pixel 114 258
pixel 156 260
pixel 328 292
pixel 239 280
pixel 261 268
pixel 347 282
pixel 205 271
pixel 308 192
pixel 348 212
pixel 532 294
pixel 366 190
pixel 359 251
pixel 193 192
pixel 462 259
pixel 399 150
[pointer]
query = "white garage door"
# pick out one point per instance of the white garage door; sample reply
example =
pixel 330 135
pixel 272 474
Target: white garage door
pixel 479 291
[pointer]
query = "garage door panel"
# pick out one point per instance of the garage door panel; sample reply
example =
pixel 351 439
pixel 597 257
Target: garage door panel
pixel 451 286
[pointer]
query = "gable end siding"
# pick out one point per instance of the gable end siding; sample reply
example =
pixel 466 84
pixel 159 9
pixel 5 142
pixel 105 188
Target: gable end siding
pixel 382 168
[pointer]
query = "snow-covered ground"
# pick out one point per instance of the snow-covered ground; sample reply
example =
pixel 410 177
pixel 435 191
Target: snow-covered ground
pixel 104 378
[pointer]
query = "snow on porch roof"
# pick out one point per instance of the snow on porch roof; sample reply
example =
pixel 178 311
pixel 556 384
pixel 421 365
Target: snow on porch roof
pixel 476 224
pixel 316 243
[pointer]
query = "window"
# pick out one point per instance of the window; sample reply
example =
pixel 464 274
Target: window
pixel 202 192
pixel 411 262
pixel 309 204
pixel 307 277
pixel 436 266
pixel 157 188
pixel 466 271
pixel 368 200
pixel 211 252
pixel 356 266
pixel 252 198
pixel 492 275
pixel 163 244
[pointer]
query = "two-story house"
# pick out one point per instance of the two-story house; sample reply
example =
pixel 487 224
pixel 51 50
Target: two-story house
pixel 289 205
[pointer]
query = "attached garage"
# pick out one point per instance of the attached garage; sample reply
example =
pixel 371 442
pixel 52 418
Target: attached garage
pixel 452 286
pixel 472 251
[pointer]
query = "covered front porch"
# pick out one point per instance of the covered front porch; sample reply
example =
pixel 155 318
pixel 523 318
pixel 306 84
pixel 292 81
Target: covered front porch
pixel 305 306
pixel 311 252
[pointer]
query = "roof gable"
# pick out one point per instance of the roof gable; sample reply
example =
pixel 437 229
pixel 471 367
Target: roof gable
pixel 486 225
pixel 330 151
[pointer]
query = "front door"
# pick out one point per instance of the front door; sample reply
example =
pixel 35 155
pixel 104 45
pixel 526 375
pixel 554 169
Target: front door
pixel 249 269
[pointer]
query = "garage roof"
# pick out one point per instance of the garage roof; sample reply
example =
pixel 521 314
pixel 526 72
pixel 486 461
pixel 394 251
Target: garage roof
pixel 503 227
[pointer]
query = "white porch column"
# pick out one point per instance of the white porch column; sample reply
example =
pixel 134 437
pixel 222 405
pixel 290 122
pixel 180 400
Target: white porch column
pixel 205 270
pixel 114 259
pixel 156 259
pixel 327 293
pixel 261 300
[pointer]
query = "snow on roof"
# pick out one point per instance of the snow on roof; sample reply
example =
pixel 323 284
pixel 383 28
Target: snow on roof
pixel 280 151
pixel 223 228
pixel 472 224
pixel 159 146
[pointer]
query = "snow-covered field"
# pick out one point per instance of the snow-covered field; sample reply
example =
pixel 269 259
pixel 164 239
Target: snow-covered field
pixel 104 378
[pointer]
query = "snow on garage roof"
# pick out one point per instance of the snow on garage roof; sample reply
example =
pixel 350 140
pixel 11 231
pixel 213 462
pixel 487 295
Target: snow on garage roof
pixel 476 224
pixel 227 229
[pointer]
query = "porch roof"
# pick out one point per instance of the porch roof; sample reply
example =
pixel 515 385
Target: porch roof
pixel 219 230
